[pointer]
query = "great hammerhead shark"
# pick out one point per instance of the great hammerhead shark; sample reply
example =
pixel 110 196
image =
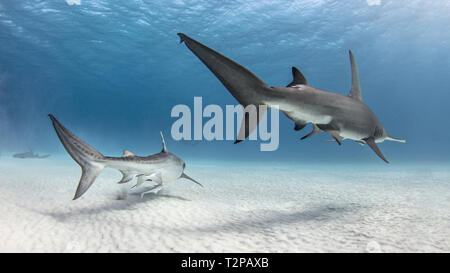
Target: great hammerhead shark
pixel 160 168
pixel 342 117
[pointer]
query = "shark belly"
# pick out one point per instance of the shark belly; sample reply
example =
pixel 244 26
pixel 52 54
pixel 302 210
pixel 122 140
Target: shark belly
pixel 130 167
pixel 302 112
pixel 356 125
pixel 352 134
pixel 310 116
pixel 351 118
pixel 167 168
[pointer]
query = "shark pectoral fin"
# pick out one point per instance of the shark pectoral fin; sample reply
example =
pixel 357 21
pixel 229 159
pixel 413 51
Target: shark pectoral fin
pixel 250 122
pixel 126 177
pixel 298 78
pixel 335 135
pixel 183 175
pixel 371 142
pixel 314 131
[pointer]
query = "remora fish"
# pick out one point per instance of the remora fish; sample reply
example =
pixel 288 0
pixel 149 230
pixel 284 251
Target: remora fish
pixel 342 117
pixel 160 168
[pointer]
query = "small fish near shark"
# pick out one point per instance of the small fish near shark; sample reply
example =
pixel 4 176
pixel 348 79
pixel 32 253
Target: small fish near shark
pixel 160 168
pixel 30 154
pixel 342 117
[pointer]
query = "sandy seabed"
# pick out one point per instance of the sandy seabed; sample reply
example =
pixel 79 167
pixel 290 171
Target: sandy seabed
pixel 242 208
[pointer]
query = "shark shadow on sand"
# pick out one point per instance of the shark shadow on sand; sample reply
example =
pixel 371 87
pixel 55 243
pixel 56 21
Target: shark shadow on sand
pixel 274 218
pixel 267 219
pixel 111 205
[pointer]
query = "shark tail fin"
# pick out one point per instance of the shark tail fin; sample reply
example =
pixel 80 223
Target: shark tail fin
pixel 395 139
pixel 243 85
pixel 250 121
pixel 90 160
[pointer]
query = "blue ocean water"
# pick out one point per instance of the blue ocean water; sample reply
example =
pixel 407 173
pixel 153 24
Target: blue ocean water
pixel 111 71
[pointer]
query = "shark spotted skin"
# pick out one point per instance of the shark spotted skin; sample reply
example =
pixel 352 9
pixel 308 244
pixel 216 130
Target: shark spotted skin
pixel 342 117
pixel 160 168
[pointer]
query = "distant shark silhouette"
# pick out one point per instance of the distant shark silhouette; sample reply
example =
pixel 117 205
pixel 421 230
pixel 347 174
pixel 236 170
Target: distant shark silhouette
pixel 29 154
pixel 342 117
pixel 160 168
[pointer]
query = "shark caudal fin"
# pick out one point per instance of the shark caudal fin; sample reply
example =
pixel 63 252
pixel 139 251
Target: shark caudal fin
pixel 250 121
pixel 86 156
pixel 240 82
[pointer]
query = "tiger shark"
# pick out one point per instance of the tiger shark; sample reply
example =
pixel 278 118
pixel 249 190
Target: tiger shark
pixel 160 168
pixel 342 117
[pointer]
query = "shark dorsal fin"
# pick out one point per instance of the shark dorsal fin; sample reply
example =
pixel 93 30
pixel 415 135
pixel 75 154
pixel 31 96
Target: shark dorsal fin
pixel 355 91
pixel 127 153
pixel 298 77
pixel 164 149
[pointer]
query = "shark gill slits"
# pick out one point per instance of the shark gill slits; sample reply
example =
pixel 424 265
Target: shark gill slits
pixel 378 132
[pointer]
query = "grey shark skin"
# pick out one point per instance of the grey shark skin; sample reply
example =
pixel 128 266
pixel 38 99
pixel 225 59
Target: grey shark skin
pixel 342 117
pixel 160 168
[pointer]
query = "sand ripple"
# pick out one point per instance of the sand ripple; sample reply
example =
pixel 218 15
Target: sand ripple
pixel 240 209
